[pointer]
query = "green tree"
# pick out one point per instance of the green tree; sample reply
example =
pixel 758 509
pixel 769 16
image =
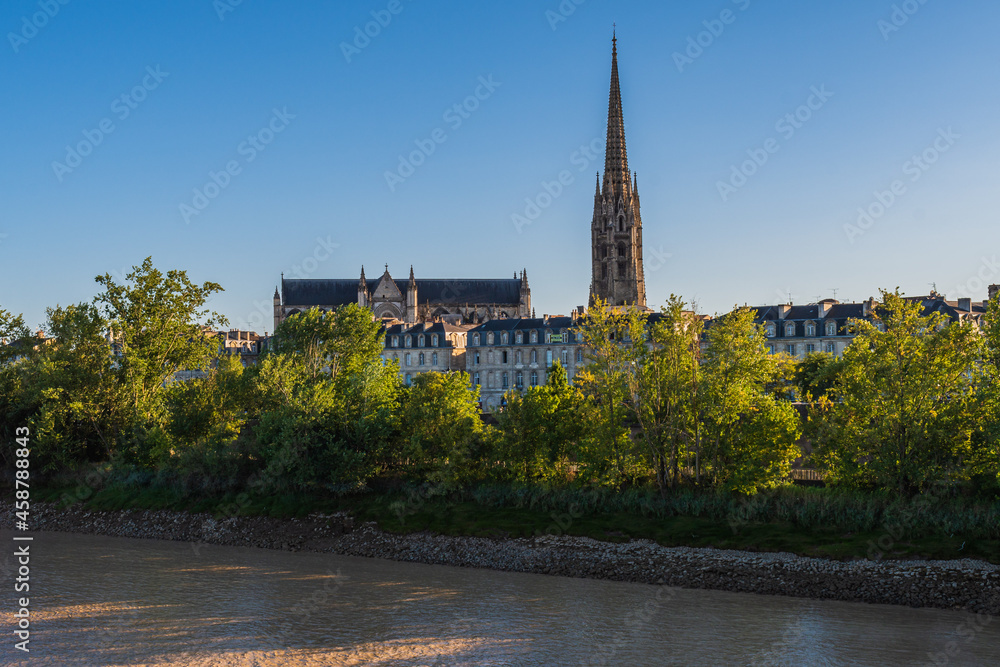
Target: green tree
pixel 906 406
pixel 441 427
pixel 539 430
pixel 612 338
pixel 816 376
pixel 751 435
pixel 664 384
pixel 159 327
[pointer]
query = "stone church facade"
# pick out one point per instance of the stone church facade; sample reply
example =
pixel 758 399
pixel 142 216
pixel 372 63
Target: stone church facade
pixel 455 301
pixel 616 229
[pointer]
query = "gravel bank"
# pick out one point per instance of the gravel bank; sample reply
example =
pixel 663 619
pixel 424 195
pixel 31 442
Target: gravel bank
pixel 960 584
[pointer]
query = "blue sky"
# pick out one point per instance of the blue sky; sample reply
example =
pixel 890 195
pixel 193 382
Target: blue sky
pixel 200 78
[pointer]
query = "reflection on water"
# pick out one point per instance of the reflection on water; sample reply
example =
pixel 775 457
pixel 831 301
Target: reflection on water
pixel 113 601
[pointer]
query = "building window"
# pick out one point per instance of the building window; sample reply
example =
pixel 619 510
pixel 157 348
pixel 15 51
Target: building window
pixel 769 329
pixel 420 359
pixel 810 329
pixel 476 359
pixel 534 336
pixel 548 358
pixel 831 348
pixel 579 356
pixel 503 357
pixel 407 358
pixel 395 341
pixel 519 380
pixel 810 348
pixel 489 338
pixel 434 359
pixel 475 339
pixel 621 269
pixel 475 379
pixel 770 349
pixel 534 356
pixel 434 340
pixel 420 341
pixel 790 329
pixel 409 378
pixel 519 337
pixel 565 358
pixel 517 357
pixel 790 349
pixel 505 381
pixel 831 328
pixel 409 341
pixel 534 378
pixel 503 338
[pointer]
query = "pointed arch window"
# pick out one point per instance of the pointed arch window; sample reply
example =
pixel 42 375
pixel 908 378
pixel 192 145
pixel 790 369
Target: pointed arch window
pixel 622 252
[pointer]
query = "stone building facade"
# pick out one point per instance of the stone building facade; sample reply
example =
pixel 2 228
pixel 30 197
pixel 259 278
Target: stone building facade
pixel 823 327
pixel 427 347
pixel 506 355
pixel 456 301
pixel 617 276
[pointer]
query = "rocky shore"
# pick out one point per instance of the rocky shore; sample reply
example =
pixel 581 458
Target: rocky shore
pixel 960 584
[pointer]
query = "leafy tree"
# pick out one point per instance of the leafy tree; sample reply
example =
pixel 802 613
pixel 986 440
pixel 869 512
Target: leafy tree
pixel 751 434
pixel 441 427
pixel 816 376
pixel 539 430
pixel 665 388
pixel 612 338
pixel 907 406
pixel 159 327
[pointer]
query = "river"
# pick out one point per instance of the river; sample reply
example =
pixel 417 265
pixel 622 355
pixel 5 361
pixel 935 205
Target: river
pixel 116 601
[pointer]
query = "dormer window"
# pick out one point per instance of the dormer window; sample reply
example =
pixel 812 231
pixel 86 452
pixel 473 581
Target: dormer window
pixel 519 337
pixel 395 341
pixel 489 338
pixel 420 341
pixel 503 338
pixel 534 336
pixel 475 339
pixel 769 329
pixel 409 341
pixel 434 340
pixel 831 328
pixel 810 329
pixel 790 329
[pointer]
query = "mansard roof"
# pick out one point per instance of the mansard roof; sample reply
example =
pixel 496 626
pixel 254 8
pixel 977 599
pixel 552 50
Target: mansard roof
pixel 321 292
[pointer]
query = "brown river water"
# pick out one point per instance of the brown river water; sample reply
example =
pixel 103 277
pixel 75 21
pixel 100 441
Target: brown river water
pixel 115 601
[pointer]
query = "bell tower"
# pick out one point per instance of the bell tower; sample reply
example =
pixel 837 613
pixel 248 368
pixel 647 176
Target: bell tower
pixel 616 230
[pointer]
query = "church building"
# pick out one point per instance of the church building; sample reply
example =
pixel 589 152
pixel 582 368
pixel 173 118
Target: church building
pixel 453 300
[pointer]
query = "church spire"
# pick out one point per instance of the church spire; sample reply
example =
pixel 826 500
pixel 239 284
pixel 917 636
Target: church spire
pixel 616 172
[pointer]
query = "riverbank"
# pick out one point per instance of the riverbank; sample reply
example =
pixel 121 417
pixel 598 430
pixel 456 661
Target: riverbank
pixel 969 585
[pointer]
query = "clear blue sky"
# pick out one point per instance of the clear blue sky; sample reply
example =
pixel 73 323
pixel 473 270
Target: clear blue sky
pixel 894 93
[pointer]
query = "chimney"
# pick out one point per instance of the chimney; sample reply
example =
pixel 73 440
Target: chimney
pixel 783 310
pixel 965 305
pixel 993 291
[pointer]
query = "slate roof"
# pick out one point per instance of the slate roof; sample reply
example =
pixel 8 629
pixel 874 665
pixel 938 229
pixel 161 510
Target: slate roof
pixel 342 291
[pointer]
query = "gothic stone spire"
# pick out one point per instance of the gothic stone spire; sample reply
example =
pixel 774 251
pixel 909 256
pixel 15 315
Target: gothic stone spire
pixel 616 231
pixel 616 174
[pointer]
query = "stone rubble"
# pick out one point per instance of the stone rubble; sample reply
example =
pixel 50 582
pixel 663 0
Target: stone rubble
pixel 969 585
